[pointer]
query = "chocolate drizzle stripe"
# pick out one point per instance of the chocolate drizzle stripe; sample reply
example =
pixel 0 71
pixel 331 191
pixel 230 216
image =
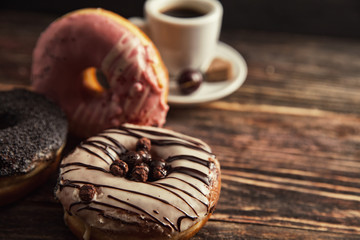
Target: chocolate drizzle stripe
pixel 166 142
pixel 116 143
pixel 87 207
pixel 102 213
pixel 177 143
pixel 156 133
pixel 176 194
pixel 180 220
pixel 81 146
pixel 149 196
pixel 159 185
pixel 192 185
pixel 138 208
pixel 103 147
pixel 193 173
pixel 91 209
pixel 134 192
pixel 171 224
pixel 187 193
pixel 123 209
pixel 67 183
pixel 70 170
pixel 87 166
pixel 201 161
pixel 74 203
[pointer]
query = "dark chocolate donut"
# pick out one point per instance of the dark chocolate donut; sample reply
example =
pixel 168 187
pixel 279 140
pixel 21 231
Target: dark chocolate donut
pixel 32 133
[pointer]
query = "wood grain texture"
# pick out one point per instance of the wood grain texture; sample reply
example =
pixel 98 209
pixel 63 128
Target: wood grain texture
pixel 288 140
pixel 285 170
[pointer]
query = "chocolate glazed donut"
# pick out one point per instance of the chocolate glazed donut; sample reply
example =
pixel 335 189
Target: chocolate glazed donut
pixel 32 134
pixel 139 182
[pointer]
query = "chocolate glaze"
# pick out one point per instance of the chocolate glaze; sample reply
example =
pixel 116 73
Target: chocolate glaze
pixel 32 128
pixel 119 149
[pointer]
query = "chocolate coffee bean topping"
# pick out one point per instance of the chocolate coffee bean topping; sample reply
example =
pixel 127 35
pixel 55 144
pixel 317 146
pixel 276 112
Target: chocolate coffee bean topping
pixel 119 168
pixel 158 162
pixel 139 165
pixel 140 173
pixel 87 192
pixel 145 156
pixel 130 158
pixel 143 144
pixel 158 173
pixel 158 169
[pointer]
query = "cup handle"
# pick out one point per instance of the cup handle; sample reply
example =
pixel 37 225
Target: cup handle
pixel 140 23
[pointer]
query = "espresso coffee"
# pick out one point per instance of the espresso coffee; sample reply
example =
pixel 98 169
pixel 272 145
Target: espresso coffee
pixel 183 12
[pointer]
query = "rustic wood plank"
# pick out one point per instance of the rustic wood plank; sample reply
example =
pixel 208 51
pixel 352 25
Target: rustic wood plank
pixel 18 35
pixel 288 140
pixel 301 71
pixel 254 231
pixel 282 166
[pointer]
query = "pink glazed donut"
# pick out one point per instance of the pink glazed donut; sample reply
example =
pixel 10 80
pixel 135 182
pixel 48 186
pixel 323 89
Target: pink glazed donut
pixel 77 46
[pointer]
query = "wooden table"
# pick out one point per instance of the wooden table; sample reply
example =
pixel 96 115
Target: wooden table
pixel 288 140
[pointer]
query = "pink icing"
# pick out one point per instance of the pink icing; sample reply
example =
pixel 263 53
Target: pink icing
pixel 79 41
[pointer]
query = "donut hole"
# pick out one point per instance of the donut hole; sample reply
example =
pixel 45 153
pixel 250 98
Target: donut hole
pixel 7 120
pixel 95 80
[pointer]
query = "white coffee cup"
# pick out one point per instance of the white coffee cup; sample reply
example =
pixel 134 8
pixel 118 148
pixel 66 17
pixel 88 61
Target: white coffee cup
pixel 183 42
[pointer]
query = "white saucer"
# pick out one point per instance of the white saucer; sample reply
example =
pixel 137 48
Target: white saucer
pixel 213 91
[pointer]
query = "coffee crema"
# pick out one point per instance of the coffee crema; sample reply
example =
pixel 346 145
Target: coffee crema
pixel 183 12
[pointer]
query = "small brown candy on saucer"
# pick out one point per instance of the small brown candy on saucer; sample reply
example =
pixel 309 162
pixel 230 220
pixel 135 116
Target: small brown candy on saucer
pixel 219 70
